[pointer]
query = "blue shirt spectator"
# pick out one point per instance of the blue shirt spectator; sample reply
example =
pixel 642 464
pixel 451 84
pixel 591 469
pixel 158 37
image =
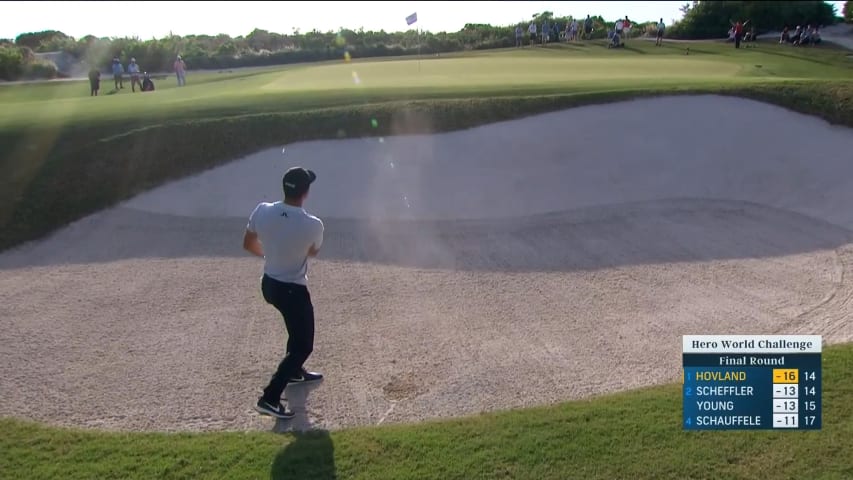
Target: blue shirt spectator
pixel 118 69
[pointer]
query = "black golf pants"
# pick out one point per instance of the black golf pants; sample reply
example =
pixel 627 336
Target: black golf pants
pixel 294 303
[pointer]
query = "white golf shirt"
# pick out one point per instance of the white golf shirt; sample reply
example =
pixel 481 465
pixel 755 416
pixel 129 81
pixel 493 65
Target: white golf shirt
pixel 286 233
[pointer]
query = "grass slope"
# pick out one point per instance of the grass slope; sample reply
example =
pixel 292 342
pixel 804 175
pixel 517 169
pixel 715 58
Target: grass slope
pixel 64 155
pixel 552 70
pixel 634 435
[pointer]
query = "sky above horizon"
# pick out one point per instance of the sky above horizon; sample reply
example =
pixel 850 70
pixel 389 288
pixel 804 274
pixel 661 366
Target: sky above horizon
pixel 157 19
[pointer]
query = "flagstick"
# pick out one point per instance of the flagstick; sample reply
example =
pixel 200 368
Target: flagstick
pixel 419 49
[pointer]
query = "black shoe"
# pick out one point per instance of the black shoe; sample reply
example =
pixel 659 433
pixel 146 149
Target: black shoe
pixel 305 377
pixel 278 410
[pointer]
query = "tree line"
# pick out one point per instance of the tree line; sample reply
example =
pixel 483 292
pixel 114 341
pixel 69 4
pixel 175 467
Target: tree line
pixel 702 19
pixel 705 19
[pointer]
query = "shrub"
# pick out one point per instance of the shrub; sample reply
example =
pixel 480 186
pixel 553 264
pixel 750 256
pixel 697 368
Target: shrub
pixel 11 62
pixel 40 70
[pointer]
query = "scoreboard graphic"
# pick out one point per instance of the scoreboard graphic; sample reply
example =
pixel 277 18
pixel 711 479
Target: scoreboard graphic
pixel 752 382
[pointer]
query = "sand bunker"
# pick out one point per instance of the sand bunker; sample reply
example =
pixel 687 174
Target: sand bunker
pixel 571 249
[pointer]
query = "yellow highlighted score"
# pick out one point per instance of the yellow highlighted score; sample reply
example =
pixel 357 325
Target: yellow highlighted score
pixel 786 375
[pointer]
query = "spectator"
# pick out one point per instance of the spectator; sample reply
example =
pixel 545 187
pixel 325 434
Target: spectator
pixel 626 29
pixel 738 31
pixel 750 35
pixel 573 34
pixel 798 33
pixel 518 36
pixel 94 82
pixel 181 71
pixel 147 84
pixel 587 27
pixel 118 73
pixel 806 35
pixel 618 28
pixel 786 35
pixel 133 70
pixel 661 28
pixel 532 31
pixel 546 31
pixel 815 36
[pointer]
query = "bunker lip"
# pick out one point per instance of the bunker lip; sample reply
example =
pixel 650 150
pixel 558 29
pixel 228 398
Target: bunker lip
pixel 153 303
pixel 548 163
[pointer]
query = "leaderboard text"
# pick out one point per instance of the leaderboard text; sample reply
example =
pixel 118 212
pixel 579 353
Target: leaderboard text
pixel 751 382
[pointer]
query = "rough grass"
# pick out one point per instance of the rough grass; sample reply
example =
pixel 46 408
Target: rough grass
pixel 64 155
pixel 635 435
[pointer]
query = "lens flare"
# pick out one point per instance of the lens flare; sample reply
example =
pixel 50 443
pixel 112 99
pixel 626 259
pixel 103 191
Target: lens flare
pixel 374 123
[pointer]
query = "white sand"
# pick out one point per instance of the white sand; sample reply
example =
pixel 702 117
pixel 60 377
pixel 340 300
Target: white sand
pixel 571 250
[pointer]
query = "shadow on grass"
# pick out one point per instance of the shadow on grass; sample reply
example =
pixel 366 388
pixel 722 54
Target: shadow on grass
pixel 629 48
pixel 309 455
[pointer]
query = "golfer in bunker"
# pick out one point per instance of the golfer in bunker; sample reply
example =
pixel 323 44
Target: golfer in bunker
pixel 285 235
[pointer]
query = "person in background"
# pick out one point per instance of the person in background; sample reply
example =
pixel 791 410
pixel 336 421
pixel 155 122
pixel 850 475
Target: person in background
pixel 661 28
pixel 532 31
pixel 94 82
pixel 786 35
pixel 181 71
pixel 738 31
pixel 574 30
pixel 518 36
pixel 806 35
pixel 795 38
pixel 587 28
pixel 546 31
pixel 750 35
pixel 147 84
pixel 626 29
pixel 618 29
pixel 118 73
pixel 133 70
pixel 815 35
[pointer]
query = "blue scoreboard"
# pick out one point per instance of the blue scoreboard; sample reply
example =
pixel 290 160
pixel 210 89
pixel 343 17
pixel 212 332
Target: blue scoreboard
pixel 755 382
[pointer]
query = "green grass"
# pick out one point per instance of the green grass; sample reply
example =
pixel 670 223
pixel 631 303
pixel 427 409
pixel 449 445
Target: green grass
pixel 634 435
pixel 554 70
pixel 66 155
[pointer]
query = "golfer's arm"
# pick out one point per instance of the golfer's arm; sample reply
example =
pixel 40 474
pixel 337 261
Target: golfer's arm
pixel 252 245
pixel 318 240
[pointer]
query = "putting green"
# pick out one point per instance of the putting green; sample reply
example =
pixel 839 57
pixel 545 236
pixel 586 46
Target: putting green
pixel 557 69
pixel 497 70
